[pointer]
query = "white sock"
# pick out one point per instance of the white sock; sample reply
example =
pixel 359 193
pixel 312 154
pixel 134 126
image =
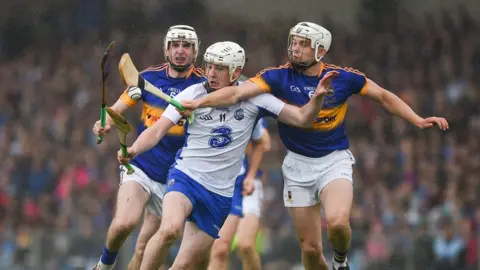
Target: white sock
pixel 337 264
pixel 103 266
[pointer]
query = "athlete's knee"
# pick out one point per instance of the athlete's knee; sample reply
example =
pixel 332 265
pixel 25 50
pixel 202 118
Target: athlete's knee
pixel 311 247
pixel 124 224
pixel 220 249
pixel 246 247
pixel 170 233
pixel 338 221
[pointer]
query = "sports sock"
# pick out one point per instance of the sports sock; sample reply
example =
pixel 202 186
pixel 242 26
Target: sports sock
pixel 340 257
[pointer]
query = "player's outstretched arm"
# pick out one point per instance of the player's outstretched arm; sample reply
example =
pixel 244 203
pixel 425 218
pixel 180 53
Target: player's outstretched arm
pixel 225 97
pixel 148 139
pixel 305 116
pixel 398 107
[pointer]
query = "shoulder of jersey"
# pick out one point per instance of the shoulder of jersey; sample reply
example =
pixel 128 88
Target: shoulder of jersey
pixel 155 68
pixel 329 67
pixel 280 68
pixel 198 72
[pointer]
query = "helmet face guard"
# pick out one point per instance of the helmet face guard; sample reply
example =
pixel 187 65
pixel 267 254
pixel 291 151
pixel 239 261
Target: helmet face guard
pixel 181 33
pixel 319 37
pixel 299 64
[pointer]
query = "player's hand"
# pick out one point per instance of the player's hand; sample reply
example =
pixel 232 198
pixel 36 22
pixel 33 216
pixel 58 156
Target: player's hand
pixel 324 86
pixel 99 130
pixel 185 114
pixel 248 186
pixel 190 104
pixel 431 121
pixel 125 160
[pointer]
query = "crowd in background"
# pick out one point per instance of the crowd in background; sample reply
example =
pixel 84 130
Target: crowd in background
pixel 416 191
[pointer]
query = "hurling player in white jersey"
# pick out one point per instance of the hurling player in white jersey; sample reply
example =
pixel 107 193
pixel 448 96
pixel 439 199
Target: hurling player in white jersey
pixel 201 183
pixel 318 168
pixel 146 186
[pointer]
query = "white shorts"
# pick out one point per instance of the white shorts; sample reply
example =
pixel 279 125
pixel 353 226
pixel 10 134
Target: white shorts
pixel 305 177
pixel 155 190
pixel 252 204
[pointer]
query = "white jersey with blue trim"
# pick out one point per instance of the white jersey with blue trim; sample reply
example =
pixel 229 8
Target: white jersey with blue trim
pixel 216 141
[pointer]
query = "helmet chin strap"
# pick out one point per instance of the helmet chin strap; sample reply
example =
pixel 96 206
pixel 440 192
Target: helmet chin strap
pixel 299 66
pixel 179 68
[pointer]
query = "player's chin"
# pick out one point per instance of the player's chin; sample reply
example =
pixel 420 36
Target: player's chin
pixel 181 62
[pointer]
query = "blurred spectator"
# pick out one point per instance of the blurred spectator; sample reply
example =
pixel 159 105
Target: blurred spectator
pixel 448 247
pixel 377 248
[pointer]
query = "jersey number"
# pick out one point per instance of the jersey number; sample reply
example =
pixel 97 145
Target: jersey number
pixel 221 137
pixel 222 117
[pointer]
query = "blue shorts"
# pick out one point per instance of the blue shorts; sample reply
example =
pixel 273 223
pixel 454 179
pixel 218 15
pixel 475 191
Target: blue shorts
pixel 210 210
pixel 237 201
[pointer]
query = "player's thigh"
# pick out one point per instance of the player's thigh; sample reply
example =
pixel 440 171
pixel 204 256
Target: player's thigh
pixel 307 223
pixel 252 210
pixel 207 209
pixel 336 188
pixel 155 202
pixel 221 245
pixel 337 198
pixel 176 208
pixel 227 232
pixel 247 230
pixel 133 195
pixel 195 244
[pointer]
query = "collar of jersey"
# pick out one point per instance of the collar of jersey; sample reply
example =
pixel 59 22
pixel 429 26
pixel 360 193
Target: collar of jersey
pixel 190 71
pixel 321 69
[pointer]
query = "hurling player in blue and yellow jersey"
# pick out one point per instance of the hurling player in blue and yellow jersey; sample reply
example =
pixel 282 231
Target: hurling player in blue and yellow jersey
pixel 318 166
pixel 146 187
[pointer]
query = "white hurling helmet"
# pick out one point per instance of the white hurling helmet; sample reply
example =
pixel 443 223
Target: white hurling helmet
pixel 318 36
pixel 228 54
pixel 182 33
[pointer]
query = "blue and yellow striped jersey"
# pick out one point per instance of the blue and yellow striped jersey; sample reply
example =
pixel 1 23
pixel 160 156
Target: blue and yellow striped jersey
pixel 156 162
pixel 328 131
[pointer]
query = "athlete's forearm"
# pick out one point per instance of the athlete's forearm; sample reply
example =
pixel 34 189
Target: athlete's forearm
pixel 266 141
pixel 230 95
pixel 398 107
pixel 147 140
pixel 301 117
pixel 223 97
pixel 119 107
pixel 152 136
pixel 255 159
pixel 309 111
